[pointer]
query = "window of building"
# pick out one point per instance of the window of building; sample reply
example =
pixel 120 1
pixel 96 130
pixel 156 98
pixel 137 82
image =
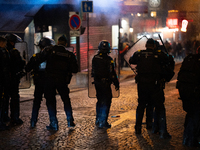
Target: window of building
pixel 153 14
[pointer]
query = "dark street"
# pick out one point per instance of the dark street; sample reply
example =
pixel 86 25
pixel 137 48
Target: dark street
pixel 85 135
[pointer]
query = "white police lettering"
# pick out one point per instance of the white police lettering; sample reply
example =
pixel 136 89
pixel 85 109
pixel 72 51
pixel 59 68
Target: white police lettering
pixel 98 57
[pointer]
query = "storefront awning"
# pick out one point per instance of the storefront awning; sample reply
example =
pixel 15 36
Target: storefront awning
pixel 16 17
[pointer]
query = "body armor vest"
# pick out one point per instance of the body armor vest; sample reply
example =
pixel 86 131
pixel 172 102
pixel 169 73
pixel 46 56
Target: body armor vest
pixel 58 61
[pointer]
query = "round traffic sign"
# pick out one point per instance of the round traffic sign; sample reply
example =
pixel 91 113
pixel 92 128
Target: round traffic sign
pixel 75 22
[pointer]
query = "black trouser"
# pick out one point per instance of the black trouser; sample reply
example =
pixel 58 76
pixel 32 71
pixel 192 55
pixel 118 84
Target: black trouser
pixel 191 136
pixel 12 95
pixel 51 85
pixel 151 95
pixel 38 93
pixel 104 98
pixel 191 104
pixel 2 104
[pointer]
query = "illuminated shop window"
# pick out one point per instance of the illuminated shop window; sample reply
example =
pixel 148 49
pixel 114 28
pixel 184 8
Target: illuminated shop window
pixel 153 14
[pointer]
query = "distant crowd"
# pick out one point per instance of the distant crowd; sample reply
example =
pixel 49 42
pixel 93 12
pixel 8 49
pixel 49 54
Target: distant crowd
pixel 182 49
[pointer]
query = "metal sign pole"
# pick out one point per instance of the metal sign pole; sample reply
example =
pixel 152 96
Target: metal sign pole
pixel 88 29
pixel 88 37
pixel 119 45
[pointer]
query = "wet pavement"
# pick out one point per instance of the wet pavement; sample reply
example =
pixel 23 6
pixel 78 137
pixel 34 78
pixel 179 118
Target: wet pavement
pixel 85 135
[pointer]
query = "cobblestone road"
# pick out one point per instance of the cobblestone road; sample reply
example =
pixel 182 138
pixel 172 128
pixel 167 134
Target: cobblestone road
pixel 86 136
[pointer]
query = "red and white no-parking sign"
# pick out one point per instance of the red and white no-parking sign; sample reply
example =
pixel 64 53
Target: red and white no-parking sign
pixel 75 22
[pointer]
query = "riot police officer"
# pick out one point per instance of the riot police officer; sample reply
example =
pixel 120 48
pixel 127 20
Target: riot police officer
pixel 188 85
pixel 149 81
pixel 60 64
pixel 17 65
pixel 38 72
pixel 103 71
pixel 4 78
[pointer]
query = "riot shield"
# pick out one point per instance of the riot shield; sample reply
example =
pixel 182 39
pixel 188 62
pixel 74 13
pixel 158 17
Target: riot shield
pixel 25 81
pixel 138 45
pixel 91 87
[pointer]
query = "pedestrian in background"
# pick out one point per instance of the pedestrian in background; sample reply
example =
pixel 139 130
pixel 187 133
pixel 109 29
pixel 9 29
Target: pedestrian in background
pixel 150 82
pixel 124 45
pixel 17 65
pixel 38 73
pixel 179 49
pixel 60 64
pixel 103 71
pixel 188 85
pixel 5 77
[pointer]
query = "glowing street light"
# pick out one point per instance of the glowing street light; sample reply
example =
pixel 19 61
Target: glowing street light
pixel 131 29
pixel 121 30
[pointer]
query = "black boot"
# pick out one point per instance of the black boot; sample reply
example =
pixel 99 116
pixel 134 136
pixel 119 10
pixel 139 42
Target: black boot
pixel 16 121
pixel 34 117
pixel 97 122
pixel 163 126
pixel 53 126
pixel 148 125
pixel 71 123
pixel 149 116
pixel 104 124
pixel 155 129
pixel 137 130
pixel 3 126
pixel 6 119
pixel 139 118
pixel 33 123
pixel 165 135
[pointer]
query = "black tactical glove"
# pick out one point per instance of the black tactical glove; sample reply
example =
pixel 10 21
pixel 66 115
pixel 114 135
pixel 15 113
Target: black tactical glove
pixel 116 87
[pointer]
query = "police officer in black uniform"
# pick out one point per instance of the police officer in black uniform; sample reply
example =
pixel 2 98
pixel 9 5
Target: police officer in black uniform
pixel 60 64
pixel 188 85
pixel 38 73
pixel 103 71
pixel 150 84
pixel 17 66
pixel 4 78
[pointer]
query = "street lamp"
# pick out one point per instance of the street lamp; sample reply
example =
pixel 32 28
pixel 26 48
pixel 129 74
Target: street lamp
pixel 121 30
pixel 131 29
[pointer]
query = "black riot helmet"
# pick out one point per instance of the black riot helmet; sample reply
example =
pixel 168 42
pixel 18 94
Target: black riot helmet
pixel 62 40
pixel 150 44
pixel 104 47
pixel 45 42
pixel 13 38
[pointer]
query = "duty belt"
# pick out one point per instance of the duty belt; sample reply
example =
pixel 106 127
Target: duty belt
pixel 104 79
